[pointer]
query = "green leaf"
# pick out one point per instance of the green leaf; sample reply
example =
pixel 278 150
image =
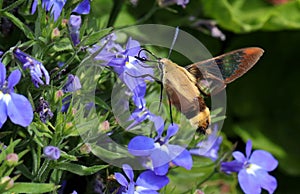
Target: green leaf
pixel 13 5
pixel 182 180
pixel 63 45
pixel 258 138
pixel 242 16
pixel 32 187
pixel 9 149
pixel 68 156
pixel 96 36
pixel 80 169
pixel 28 33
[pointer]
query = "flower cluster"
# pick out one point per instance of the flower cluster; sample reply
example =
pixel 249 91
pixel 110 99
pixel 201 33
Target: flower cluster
pixel 56 7
pixel 147 182
pixel 130 71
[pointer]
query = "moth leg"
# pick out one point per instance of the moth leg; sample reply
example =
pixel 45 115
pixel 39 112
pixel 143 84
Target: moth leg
pixel 170 109
pixel 161 93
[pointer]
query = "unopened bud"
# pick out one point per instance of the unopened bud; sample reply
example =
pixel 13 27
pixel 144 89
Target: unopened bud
pixel 8 181
pixel 12 159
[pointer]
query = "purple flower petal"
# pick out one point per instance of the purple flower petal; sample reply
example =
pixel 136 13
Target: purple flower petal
pixel 172 130
pixel 14 78
pixel 55 7
pixel 141 146
pixel 150 180
pixel 162 169
pixel 128 171
pixel 74 27
pixel 139 102
pixel 266 181
pixel 212 153
pixel 184 159
pixel 37 69
pixel 263 159
pixel 34 5
pixel 73 84
pixel 83 8
pixel 46 74
pixel 233 166
pixel 2 74
pixel 160 158
pixel 52 152
pixel 239 156
pixel 248 182
pixel 132 47
pixel 3 110
pixel 248 148
pixel 131 188
pixel 121 179
pixel 158 124
pixel 19 110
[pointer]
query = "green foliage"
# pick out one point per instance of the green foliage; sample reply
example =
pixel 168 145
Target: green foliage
pixel 241 16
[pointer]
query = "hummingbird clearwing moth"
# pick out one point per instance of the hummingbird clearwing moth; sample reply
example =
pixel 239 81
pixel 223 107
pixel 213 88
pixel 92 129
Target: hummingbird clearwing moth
pixel 187 86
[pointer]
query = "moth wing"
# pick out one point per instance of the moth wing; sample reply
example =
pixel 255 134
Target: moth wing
pixel 224 69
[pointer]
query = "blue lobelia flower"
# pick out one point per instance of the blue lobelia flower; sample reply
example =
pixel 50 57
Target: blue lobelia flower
pixel 55 6
pixel 253 170
pixel 160 151
pixel 212 153
pixel 52 152
pixel 147 182
pixel 83 8
pixel 37 69
pixel 13 105
pixel 72 85
pixel 74 27
pixel 75 20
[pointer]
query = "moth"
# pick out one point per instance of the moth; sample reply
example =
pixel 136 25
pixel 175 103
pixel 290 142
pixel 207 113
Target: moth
pixel 187 86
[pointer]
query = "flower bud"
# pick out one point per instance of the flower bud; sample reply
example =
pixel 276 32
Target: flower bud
pixel 85 148
pixel 104 126
pixel 12 159
pixel 55 33
pixel 8 181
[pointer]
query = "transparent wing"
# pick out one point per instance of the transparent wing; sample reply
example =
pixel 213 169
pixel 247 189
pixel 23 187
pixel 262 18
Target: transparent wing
pixel 213 74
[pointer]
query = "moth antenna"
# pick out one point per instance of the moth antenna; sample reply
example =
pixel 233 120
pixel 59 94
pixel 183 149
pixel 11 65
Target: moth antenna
pixel 174 40
pixel 144 58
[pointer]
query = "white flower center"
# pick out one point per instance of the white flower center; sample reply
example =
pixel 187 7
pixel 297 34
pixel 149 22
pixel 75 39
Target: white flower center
pixel 251 168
